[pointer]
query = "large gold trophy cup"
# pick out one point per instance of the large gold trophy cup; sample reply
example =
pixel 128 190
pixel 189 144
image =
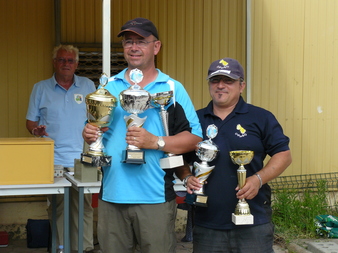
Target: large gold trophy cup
pixel 242 215
pixel 162 99
pixel 100 110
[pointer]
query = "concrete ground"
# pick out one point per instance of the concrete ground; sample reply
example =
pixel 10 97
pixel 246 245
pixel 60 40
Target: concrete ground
pixel 20 246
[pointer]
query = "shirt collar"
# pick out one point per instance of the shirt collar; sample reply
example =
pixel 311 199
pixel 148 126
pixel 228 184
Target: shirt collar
pixel 161 77
pixel 76 78
pixel 241 107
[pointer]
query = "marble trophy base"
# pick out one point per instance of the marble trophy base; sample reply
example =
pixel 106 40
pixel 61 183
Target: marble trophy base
pixel 171 162
pixel 243 219
pixel 84 172
pixel 95 161
pixel 133 156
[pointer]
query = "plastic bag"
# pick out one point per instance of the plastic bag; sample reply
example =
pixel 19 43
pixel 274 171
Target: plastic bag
pixel 327 225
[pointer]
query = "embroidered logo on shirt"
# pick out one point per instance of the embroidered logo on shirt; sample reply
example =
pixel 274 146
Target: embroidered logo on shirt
pixel 78 98
pixel 242 131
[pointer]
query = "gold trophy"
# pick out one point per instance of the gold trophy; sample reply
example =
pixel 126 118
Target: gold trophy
pixel 134 100
pixel 100 110
pixel 162 99
pixel 206 152
pixel 242 215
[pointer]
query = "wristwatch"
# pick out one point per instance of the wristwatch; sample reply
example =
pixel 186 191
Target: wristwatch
pixel 185 180
pixel 160 143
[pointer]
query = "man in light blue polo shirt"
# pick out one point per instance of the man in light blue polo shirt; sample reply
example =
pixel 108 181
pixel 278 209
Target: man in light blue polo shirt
pixel 57 109
pixel 137 201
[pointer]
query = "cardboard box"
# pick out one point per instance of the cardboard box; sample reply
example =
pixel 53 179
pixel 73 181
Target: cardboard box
pixel 3 239
pixel 26 161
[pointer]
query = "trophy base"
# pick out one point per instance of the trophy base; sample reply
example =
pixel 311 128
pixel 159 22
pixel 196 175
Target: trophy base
pixel 201 200
pixel 171 162
pixel 133 156
pixel 84 172
pixel 246 219
pixel 95 161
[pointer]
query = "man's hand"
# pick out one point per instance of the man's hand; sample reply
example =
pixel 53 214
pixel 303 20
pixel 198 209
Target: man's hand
pixel 90 133
pixel 40 131
pixel 141 138
pixel 250 189
pixel 193 183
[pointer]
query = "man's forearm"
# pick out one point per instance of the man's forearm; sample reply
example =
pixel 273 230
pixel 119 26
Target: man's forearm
pixel 181 143
pixel 276 166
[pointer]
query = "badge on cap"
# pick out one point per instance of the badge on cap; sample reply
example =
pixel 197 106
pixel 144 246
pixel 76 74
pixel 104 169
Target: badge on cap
pixel 223 62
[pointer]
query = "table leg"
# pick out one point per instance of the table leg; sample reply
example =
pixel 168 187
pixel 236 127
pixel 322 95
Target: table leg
pixel 66 239
pixel 53 246
pixel 80 224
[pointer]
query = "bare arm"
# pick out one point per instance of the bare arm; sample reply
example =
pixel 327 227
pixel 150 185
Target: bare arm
pixel 276 166
pixel 183 171
pixel 177 144
pixel 192 183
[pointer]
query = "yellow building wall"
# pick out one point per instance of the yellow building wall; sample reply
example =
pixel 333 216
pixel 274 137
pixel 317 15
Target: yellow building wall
pixel 294 57
pixel 193 33
pixel 294 68
pixel 294 61
pixel 26 42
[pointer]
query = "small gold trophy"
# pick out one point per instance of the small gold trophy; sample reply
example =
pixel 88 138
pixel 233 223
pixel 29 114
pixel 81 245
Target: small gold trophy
pixel 162 99
pixel 242 215
pixel 206 152
pixel 100 110
pixel 134 100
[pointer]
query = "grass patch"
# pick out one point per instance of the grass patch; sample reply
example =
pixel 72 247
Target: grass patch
pixel 294 211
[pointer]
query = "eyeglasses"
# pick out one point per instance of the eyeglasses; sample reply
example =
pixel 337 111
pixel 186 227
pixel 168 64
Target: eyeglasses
pixel 63 61
pixel 139 43
pixel 224 79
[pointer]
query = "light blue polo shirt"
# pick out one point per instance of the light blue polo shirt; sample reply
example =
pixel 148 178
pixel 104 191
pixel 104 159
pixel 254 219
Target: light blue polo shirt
pixel 145 183
pixel 64 114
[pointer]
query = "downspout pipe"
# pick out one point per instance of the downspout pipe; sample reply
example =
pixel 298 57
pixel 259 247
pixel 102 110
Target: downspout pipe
pixel 106 50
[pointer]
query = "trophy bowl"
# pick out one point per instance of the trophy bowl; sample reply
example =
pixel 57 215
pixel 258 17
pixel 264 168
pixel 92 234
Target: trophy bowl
pixel 241 157
pixel 135 100
pixel 206 151
pixel 100 107
pixel 162 99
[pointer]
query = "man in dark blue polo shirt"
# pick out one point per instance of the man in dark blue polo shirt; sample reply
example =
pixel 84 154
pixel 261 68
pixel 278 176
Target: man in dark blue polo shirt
pixel 241 126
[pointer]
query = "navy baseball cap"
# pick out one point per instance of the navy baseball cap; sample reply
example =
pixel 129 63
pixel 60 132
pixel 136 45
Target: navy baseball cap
pixel 140 26
pixel 226 67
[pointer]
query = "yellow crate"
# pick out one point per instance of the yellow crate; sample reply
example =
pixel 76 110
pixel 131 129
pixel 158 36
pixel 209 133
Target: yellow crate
pixel 26 161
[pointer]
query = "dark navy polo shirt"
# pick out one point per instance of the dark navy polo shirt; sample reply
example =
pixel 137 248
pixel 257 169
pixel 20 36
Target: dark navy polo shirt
pixel 248 127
